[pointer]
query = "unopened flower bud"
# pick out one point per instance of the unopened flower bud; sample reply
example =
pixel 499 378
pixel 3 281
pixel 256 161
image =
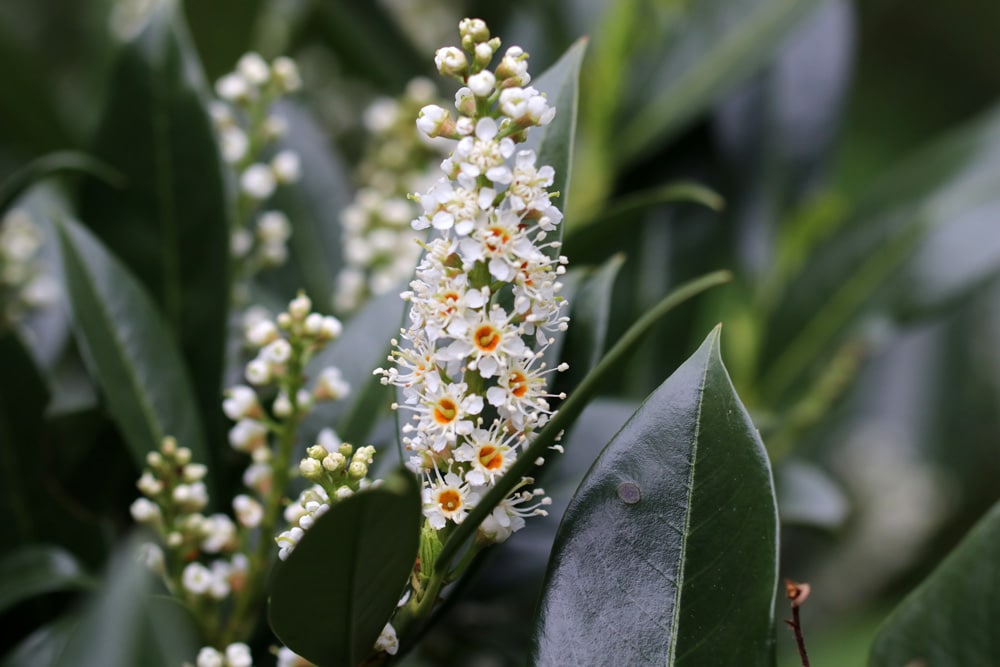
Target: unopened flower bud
pixel 282 406
pixel 262 333
pixel 286 73
pixel 258 372
pixel 286 166
pixel 435 121
pixel 194 472
pixel 253 69
pixel 145 510
pixel 357 469
pixel 482 84
pixel 474 30
pixel 334 461
pixel 258 181
pixel 331 327
pixel 451 61
pixel 311 469
pixel 299 307
pixel 183 456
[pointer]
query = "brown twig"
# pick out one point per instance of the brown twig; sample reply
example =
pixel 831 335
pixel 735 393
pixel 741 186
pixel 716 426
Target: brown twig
pixel 797 594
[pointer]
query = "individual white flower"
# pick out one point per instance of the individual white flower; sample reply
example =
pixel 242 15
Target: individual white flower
pixel 450 61
pixel 209 657
pixel 387 640
pixel 286 166
pixel 240 402
pixel 514 66
pixel 247 435
pixel 273 227
pixel 286 72
pixel 234 144
pixel 253 69
pixel 331 385
pixel 482 83
pixel 238 655
pixel 190 497
pixel 258 181
pixel 248 511
pixel 277 352
pixel 145 510
pixel 490 454
pixel 196 578
pixel 233 88
pixel 446 499
pixel 218 533
pixel 433 120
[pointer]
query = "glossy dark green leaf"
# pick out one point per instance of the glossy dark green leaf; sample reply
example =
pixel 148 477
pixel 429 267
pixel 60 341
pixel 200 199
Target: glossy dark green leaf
pixel 21 416
pixel 313 205
pixel 44 645
pixel 336 591
pixel 710 45
pixel 920 241
pixel 667 553
pixel 36 570
pixel 554 143
pixel 126 624
pixel 129 347
pixel 950 620
pixel 590 313
pixel 170 224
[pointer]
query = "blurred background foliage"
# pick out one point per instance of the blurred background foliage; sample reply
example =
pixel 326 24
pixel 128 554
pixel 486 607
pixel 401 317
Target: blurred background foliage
pixel 856 147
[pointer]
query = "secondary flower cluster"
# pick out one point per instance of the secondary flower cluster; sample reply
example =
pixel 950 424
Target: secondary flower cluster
pixel 203 558
pixel 247 131
pixel 379 245
pixel 23 283
pixel 485 302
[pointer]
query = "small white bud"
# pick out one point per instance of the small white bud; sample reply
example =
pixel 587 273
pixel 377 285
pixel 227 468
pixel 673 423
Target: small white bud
pixel 253 68
pixel 299 307
pixel 258 181
pixel 286 166
pixel 481 84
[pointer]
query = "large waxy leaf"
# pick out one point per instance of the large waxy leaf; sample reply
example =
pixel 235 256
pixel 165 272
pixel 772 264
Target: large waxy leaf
pixel 126 624
pixel 922 240
pixel 554 143
pixel 711 45
pixel 330 600
pixel 36 570
pixel 129 346
pixel 667 552
pixel 951 619
pixel 170 224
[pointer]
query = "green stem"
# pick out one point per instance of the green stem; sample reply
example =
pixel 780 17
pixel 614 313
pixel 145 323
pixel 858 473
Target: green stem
pixel 569 411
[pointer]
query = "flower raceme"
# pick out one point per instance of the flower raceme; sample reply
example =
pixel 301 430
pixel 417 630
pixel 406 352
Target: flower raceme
pixel 485 303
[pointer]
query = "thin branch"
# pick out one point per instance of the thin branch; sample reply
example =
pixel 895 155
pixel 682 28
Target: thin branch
pixel 797 594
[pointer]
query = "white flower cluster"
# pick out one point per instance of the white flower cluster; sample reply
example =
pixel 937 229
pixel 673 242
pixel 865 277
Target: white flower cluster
pixel 174 496
pixel 380 248
pixel 283 347
pixel 23 283
pixel 337 471
pixel 485 301
pixel 246 131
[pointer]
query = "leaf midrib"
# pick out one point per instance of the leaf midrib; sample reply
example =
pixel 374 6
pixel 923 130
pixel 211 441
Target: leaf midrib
pixel 679 587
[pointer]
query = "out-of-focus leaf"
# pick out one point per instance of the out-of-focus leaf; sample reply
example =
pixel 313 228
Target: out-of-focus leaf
pixel 49 165
pixel 21 413
pixel 170 224
pixel 29 116
pixel 369 43
pixel 553 143
pixel 776 132
pixel 671 539
pixel 36 570
pixel 808 497
pixel 951 618
pixel 125 624
pixel 44 645
pixel 220 48
pixel 879 267
pixel 590 312
pixel 362 347
pixel 336 591
pixel 129 346
pixel 710 45
pixel 313 205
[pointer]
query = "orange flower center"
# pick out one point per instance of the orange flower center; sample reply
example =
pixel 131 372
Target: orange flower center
pixel 487 338
pixel 445 411
pixel 490 457
pixel 518 384
pixel 449 500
